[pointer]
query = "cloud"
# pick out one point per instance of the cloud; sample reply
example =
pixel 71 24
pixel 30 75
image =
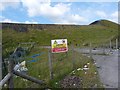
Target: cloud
pixel 6 20
pixel 87 0
pixel 9 3
pixel 31 22
pixel 71 19
pixel 101 14
pixel 114 17
pixel 59 13
pixel 44 8
pixel 76 18
pixel 111 16
pixel 115 14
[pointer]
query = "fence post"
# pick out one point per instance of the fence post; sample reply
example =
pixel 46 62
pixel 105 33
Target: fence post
pixel 50 64
pixel 35 80
pixel 73 57
pixel 10 70
pixel 110 45
pixel 103 49
pixel 90 52
pixel 0 65
pixel 116 43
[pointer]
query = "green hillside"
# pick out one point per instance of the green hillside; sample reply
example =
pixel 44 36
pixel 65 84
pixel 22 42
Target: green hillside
pixel 77 35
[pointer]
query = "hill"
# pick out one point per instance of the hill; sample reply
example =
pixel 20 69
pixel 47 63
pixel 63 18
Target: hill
pixel 106 23
pixel 42 34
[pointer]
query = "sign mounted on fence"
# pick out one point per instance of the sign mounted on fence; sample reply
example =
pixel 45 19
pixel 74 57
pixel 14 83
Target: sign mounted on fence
pixel 59 45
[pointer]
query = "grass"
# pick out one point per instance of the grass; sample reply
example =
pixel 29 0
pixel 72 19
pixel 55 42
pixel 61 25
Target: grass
pixel 62 64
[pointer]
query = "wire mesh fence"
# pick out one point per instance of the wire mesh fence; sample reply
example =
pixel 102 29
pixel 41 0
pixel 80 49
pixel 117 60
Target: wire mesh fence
pixel 62 65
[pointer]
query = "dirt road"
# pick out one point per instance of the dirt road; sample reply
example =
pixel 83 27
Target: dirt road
pixel 107 66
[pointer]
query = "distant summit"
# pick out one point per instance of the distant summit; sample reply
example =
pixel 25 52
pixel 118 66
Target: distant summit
pixel 106 23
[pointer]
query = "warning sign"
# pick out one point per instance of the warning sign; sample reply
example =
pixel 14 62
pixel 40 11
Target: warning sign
pixel 59 45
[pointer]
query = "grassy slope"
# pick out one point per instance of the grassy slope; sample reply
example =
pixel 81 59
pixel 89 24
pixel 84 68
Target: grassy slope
pixel 96 34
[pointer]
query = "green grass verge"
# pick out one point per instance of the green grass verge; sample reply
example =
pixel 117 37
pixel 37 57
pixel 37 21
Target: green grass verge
pixel 62 65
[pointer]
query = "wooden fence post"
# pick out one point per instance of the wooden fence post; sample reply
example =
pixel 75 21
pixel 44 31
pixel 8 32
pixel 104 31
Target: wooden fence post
pixel 73 57
pixel 90 52
pixel 10 70
pixel 50 64
pixel 103 49
pixel 35 80
pixel 0 66
pixel 4 80
pixel 110 45
pixel 116 43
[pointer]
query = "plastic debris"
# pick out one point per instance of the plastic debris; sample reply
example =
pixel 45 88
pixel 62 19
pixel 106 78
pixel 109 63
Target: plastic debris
pixel 88 63
pixel 5 85
pixel 78 69
pixel 95 72
pixel 85 68
pixel 74 84
pixel 73 71
pixel 23 64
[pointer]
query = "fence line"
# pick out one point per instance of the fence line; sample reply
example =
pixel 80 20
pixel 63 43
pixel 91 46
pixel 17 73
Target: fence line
pixel 9 76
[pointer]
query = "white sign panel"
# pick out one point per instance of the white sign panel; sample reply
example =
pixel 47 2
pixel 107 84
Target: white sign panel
pixel 59 45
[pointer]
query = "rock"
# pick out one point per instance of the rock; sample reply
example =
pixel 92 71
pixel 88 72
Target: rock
pixel 71 82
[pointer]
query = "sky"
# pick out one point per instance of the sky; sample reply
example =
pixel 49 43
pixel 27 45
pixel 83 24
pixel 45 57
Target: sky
pixel 78 12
